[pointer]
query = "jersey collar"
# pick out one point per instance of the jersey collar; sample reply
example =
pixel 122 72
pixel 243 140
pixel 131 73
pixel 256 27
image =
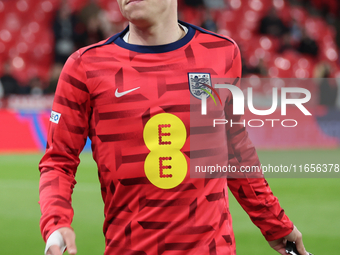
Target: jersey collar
pixel 118 40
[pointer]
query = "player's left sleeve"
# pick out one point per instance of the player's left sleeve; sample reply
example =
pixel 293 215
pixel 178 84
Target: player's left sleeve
pixel 253 194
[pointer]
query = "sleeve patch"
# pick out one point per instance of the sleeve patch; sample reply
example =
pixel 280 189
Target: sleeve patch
pixel 55 117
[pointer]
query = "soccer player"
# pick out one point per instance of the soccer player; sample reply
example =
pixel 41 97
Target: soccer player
pixel 130 94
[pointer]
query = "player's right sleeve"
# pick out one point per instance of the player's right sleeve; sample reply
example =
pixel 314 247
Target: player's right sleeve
pixel 67 135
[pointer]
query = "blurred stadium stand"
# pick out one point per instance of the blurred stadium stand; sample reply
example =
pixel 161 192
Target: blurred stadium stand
pixel 27 40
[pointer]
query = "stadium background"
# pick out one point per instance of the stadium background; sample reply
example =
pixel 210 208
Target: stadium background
pixel 30 55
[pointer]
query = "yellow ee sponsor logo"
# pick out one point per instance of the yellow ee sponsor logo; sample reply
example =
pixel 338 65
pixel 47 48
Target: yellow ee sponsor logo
pixel 165 166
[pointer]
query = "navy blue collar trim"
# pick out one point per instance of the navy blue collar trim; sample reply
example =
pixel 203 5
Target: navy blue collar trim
pixel 118 40
pixel 157 48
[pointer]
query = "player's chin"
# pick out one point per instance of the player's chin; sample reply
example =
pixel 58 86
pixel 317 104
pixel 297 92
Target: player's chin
pixel 131 12
pixel 139 18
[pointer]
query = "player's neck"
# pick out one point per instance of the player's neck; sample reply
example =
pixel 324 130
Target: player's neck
pixel 157 34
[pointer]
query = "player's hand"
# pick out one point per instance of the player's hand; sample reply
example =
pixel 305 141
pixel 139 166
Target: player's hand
pixel 294 236
pixel 70 240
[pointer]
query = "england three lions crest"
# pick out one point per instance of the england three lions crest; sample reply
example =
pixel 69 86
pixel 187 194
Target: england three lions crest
pixel 200 85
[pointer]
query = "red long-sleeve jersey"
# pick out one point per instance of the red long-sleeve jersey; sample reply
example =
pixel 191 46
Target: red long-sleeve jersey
pixel 134 104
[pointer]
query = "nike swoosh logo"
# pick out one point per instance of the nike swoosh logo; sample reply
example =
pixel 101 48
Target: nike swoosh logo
pixel 120 94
